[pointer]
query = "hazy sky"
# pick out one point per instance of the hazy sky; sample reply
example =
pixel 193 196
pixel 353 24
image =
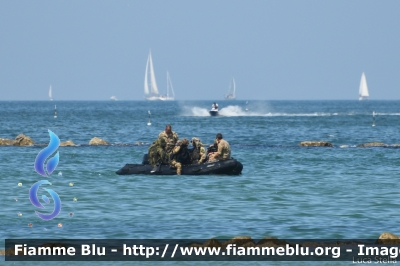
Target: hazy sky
pixel 276 50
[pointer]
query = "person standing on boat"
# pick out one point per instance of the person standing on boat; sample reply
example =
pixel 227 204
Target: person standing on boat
pixel 214 106
pixel 224 150
pixel 180 156
pixel 198 153
pixel 170 137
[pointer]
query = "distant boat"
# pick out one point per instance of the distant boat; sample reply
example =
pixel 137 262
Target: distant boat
pixel 363 93
pixel 214 109
pixel 232 91
pixel 50 93
pixel 113 98
pixel 168 97
pixel 150 85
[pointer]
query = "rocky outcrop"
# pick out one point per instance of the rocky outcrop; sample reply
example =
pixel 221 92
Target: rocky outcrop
pixel 239 241
pixel 6 142
pixel 271 242
pixel 98 141
pixel 22 140
pixel 387 238
pixel 372 144
pixel 67 143
pixel 316 144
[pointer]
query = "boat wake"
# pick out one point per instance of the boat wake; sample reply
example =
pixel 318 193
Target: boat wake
pixel 235 110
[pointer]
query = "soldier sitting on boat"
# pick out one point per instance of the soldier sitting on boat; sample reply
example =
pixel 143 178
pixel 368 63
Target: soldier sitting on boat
pixel 157 154
pixel 180 156
pixel 223 151
pixel 198 155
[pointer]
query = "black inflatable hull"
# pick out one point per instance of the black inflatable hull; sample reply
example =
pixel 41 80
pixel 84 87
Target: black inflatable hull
pixel 225 167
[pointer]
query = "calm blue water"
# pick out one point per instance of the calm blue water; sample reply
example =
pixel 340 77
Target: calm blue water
pixel 284 191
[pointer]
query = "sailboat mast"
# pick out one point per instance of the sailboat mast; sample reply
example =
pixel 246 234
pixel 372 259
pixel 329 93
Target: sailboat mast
pixel 167 84
pixel 234 87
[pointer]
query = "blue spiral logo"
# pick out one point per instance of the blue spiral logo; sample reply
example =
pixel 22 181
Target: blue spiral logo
pixel 40 169
pixel 45 153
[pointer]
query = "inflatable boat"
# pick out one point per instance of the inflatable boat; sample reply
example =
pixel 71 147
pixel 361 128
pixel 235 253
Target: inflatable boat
pixel 225 167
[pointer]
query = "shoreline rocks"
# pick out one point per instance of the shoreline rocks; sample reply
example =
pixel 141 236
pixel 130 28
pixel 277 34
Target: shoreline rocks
pixel 68 143
pixel 372 144
pixel 316 144
pixel 6 142
pixel 98 141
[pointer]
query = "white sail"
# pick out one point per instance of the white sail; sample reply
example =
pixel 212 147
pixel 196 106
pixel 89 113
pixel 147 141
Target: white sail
pixel 232 90
pixel 150 84
pixel 169 87
pixel 50 93
pixel 363 91
pixel 154 88
pixel 146 81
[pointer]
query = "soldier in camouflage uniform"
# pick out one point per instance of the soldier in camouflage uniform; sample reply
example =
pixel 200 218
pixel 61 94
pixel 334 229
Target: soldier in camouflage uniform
pixel 224 150
pixel 180 156
pixel 170 137
pixel 199 153
pixel 156 153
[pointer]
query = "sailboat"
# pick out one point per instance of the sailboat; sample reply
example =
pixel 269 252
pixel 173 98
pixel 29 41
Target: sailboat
pixel 50 93
pixel 232 91
pixel 150 84
pixel 363 92
pixel 168 97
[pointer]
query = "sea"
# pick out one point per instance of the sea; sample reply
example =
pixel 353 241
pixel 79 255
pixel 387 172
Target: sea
pixel 285 190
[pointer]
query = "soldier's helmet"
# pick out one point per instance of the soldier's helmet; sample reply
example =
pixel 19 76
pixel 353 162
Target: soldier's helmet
pixel 195 141
pixel 185 142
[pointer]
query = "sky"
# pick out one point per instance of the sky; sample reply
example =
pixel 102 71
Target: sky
pixel 275 50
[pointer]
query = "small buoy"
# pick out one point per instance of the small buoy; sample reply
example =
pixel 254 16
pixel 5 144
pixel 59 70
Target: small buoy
pixel 30 225
pixel 71 184
pixel 75 199
pixel 20 184
pixel 60 173
pixel 19 214
pixel 60 225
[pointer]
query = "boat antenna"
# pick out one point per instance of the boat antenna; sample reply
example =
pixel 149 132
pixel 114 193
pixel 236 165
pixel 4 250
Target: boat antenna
pixel 149 123
pixel 55 111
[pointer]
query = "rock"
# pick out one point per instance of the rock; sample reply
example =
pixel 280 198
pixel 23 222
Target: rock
pixel 316 144
pixel 372 144
pixel 239 241
pixel 6 142
pixel 22 140
pixel 271 242
pixel 98 141
pixel 138 143
pixel 387 238
pixel 67 143
pixel 212 243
